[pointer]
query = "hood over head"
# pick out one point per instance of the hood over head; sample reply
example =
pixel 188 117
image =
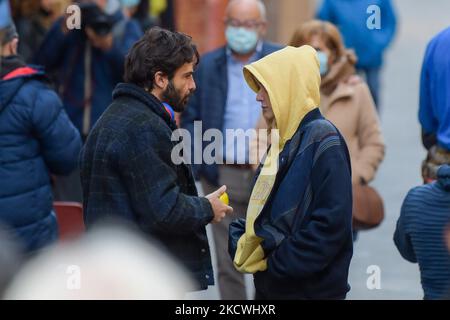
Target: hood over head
pixel 292 79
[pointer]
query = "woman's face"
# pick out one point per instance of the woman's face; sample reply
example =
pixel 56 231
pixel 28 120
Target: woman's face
pixel 317 43
pixel 266 106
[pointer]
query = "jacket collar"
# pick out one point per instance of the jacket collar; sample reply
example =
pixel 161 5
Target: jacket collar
pixel 310 116
pixel 135 92
pixel 12 67
pixel 14 78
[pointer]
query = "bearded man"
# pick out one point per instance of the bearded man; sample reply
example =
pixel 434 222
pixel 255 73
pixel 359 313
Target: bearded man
pixel 127 170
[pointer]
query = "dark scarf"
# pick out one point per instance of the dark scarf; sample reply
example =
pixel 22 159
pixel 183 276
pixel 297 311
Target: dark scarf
pixel 340 71
pixel 9 64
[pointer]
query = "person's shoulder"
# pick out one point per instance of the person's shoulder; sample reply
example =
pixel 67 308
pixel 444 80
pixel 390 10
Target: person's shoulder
pixel 440 40
pixel 421 194
pixel 444 34
pixel 36 90
pixel 321 128
pixel 209 61
pixel 270 47
pixel 212 55
pixel 321 131
pixel 357 85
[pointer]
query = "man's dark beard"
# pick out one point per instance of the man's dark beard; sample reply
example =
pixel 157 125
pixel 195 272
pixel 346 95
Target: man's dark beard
pixel 173 98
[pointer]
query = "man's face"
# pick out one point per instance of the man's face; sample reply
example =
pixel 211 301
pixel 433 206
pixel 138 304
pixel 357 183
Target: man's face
pixel 246 14
pixel 180 87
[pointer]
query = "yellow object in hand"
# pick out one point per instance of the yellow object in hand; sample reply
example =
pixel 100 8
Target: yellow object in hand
pixel 224 198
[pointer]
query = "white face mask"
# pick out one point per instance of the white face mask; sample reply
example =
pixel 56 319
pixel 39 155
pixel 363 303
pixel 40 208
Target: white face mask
pixel 112 6
pixel 129 3
pixel 241 40
pixel 323 59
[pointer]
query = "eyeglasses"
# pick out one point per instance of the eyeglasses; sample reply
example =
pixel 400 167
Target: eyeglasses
pixel 249 24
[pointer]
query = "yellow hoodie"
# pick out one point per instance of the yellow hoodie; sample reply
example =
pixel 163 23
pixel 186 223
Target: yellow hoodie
pixel 292 80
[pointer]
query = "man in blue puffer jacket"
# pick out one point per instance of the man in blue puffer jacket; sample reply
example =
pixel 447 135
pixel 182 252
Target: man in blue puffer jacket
pixel 36 139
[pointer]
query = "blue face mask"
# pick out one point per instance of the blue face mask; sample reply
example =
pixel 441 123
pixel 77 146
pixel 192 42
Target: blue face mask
pixel 129 3
pixel 323 59
pixel 241 40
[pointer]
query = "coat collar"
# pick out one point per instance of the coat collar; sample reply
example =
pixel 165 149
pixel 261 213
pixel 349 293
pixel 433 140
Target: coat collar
pixel 133 91
pixel 343 90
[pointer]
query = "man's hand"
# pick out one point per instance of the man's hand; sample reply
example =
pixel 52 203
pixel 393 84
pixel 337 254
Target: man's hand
pixel 219 208
pixel 104 43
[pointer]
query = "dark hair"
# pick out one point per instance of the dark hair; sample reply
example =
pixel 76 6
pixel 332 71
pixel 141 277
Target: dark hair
pixel 158 50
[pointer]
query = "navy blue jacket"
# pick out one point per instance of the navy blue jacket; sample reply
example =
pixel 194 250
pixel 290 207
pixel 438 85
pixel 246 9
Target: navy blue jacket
pixel 419 235
pixel 306 221
pixel 36 139
pixel 127 171
pixel 65 54
pixel 209 100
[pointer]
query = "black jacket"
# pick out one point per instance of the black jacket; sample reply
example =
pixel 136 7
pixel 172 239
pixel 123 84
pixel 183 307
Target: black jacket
pixel 127 171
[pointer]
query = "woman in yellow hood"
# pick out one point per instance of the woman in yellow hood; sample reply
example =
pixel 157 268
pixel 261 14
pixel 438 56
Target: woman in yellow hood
pixel 296 238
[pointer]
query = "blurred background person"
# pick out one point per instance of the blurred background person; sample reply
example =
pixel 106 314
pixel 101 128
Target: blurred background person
pixel 447 242
pixel 5 19
pixel 223 101
pixel 164 13
pixel 5 14
pixel 36 139
pixel 447 237
pixel 434 104
pixel 110 262
pixel 345 101
pixel 11 258
pixel 420 233
pixel 139 10
pixel 353 20
pixel 89 63
pixel 33 19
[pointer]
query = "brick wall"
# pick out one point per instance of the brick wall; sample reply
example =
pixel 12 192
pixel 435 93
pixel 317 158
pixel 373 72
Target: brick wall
pixel 203 20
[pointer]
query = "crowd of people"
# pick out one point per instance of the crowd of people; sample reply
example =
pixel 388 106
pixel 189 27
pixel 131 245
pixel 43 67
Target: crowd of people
pixel 88 115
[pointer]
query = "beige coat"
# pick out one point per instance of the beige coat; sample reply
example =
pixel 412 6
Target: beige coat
pixel 351 109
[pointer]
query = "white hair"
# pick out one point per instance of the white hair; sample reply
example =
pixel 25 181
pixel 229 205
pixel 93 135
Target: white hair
pixel 261 6
pixel 109 263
